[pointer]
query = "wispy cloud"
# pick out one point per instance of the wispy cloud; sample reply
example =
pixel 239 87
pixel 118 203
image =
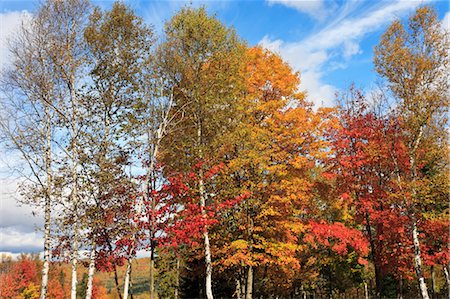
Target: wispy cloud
pixel 157 13
pixel 337 41
pixel 314 8
pixel 16 242
pixel 446 21
pixel 9 24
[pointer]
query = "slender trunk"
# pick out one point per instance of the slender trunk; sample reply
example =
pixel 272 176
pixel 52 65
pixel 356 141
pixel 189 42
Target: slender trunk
pixel 433 283
pixel 126 283
pixel 373 253
pixel 400 288
pixel 152 273
pixel 46 265
pixel 48 156
pixel 131 282
pixel 152 244
pixel 238 289
pixel 201 186
pixel 423 292
pixel 127 280
pixel 302 291
pixel 116 281
pixel 447 277
pixel 418 262
pixel 209 294
pixel 249 291
pixel 74 144
pixel 177 279
pixel 127 289
pixel 74 260
pixel 116 276
pixel 415 233
pixel 149 187
pixel 366 291
pixel 91 272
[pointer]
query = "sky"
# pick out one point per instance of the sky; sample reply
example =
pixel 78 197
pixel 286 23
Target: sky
pixel 329 42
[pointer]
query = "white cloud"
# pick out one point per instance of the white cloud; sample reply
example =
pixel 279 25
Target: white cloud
pixel 314 8
pixel 12 214
pixel 338 40
pixel 16 241
pixel 446 21
pixel 17 225
pixel 9 24
pixel 350 49
pixel 355 28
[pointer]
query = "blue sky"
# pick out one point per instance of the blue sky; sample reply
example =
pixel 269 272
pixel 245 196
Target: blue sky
pixel 330 42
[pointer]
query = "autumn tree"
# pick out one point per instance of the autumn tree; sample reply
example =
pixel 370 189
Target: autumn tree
pixel 45 75
pixel 22 280
pixel 119 53
pixel 200 59
pixel 269 156
pixel 28 123
pixel 363 172
pixel 63 24
pixel 414 59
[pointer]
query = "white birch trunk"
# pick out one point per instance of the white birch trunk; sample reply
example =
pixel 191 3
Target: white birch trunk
pixel 208 262
pixel 73 289
pixel 415 234
pixel 249 292
pixel 127 280
pixel 447 277
pixel 418 263
pixel 160 132
pixel 201 187
pixel 47 207
pixel 74 133
pixel 91 272
pixel 366 291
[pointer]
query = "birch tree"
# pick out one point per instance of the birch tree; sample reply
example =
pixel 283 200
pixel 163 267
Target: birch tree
pixel 119 45
pixel 63 23
pixel 28 123
pixel 414 60
pixel 200 59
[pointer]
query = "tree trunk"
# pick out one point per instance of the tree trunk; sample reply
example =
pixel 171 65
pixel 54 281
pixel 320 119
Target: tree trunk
pixel 238 291
pixel 209 294
pixel 201 187
pixel 418 262
pixel 366 291
pixel 415 234
pixel 433 283
pixel 73 290
pixel 177 279
pixel 447 277
pixel 127 279
pixel 116 281
pixel 249 291
pixel 91 272
pixel 400 288
pixel 45 266
pixel 74 197
pixel 131 282
pixel 116 276
pixel 373 253
pixel 152 274
pixel 47 207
